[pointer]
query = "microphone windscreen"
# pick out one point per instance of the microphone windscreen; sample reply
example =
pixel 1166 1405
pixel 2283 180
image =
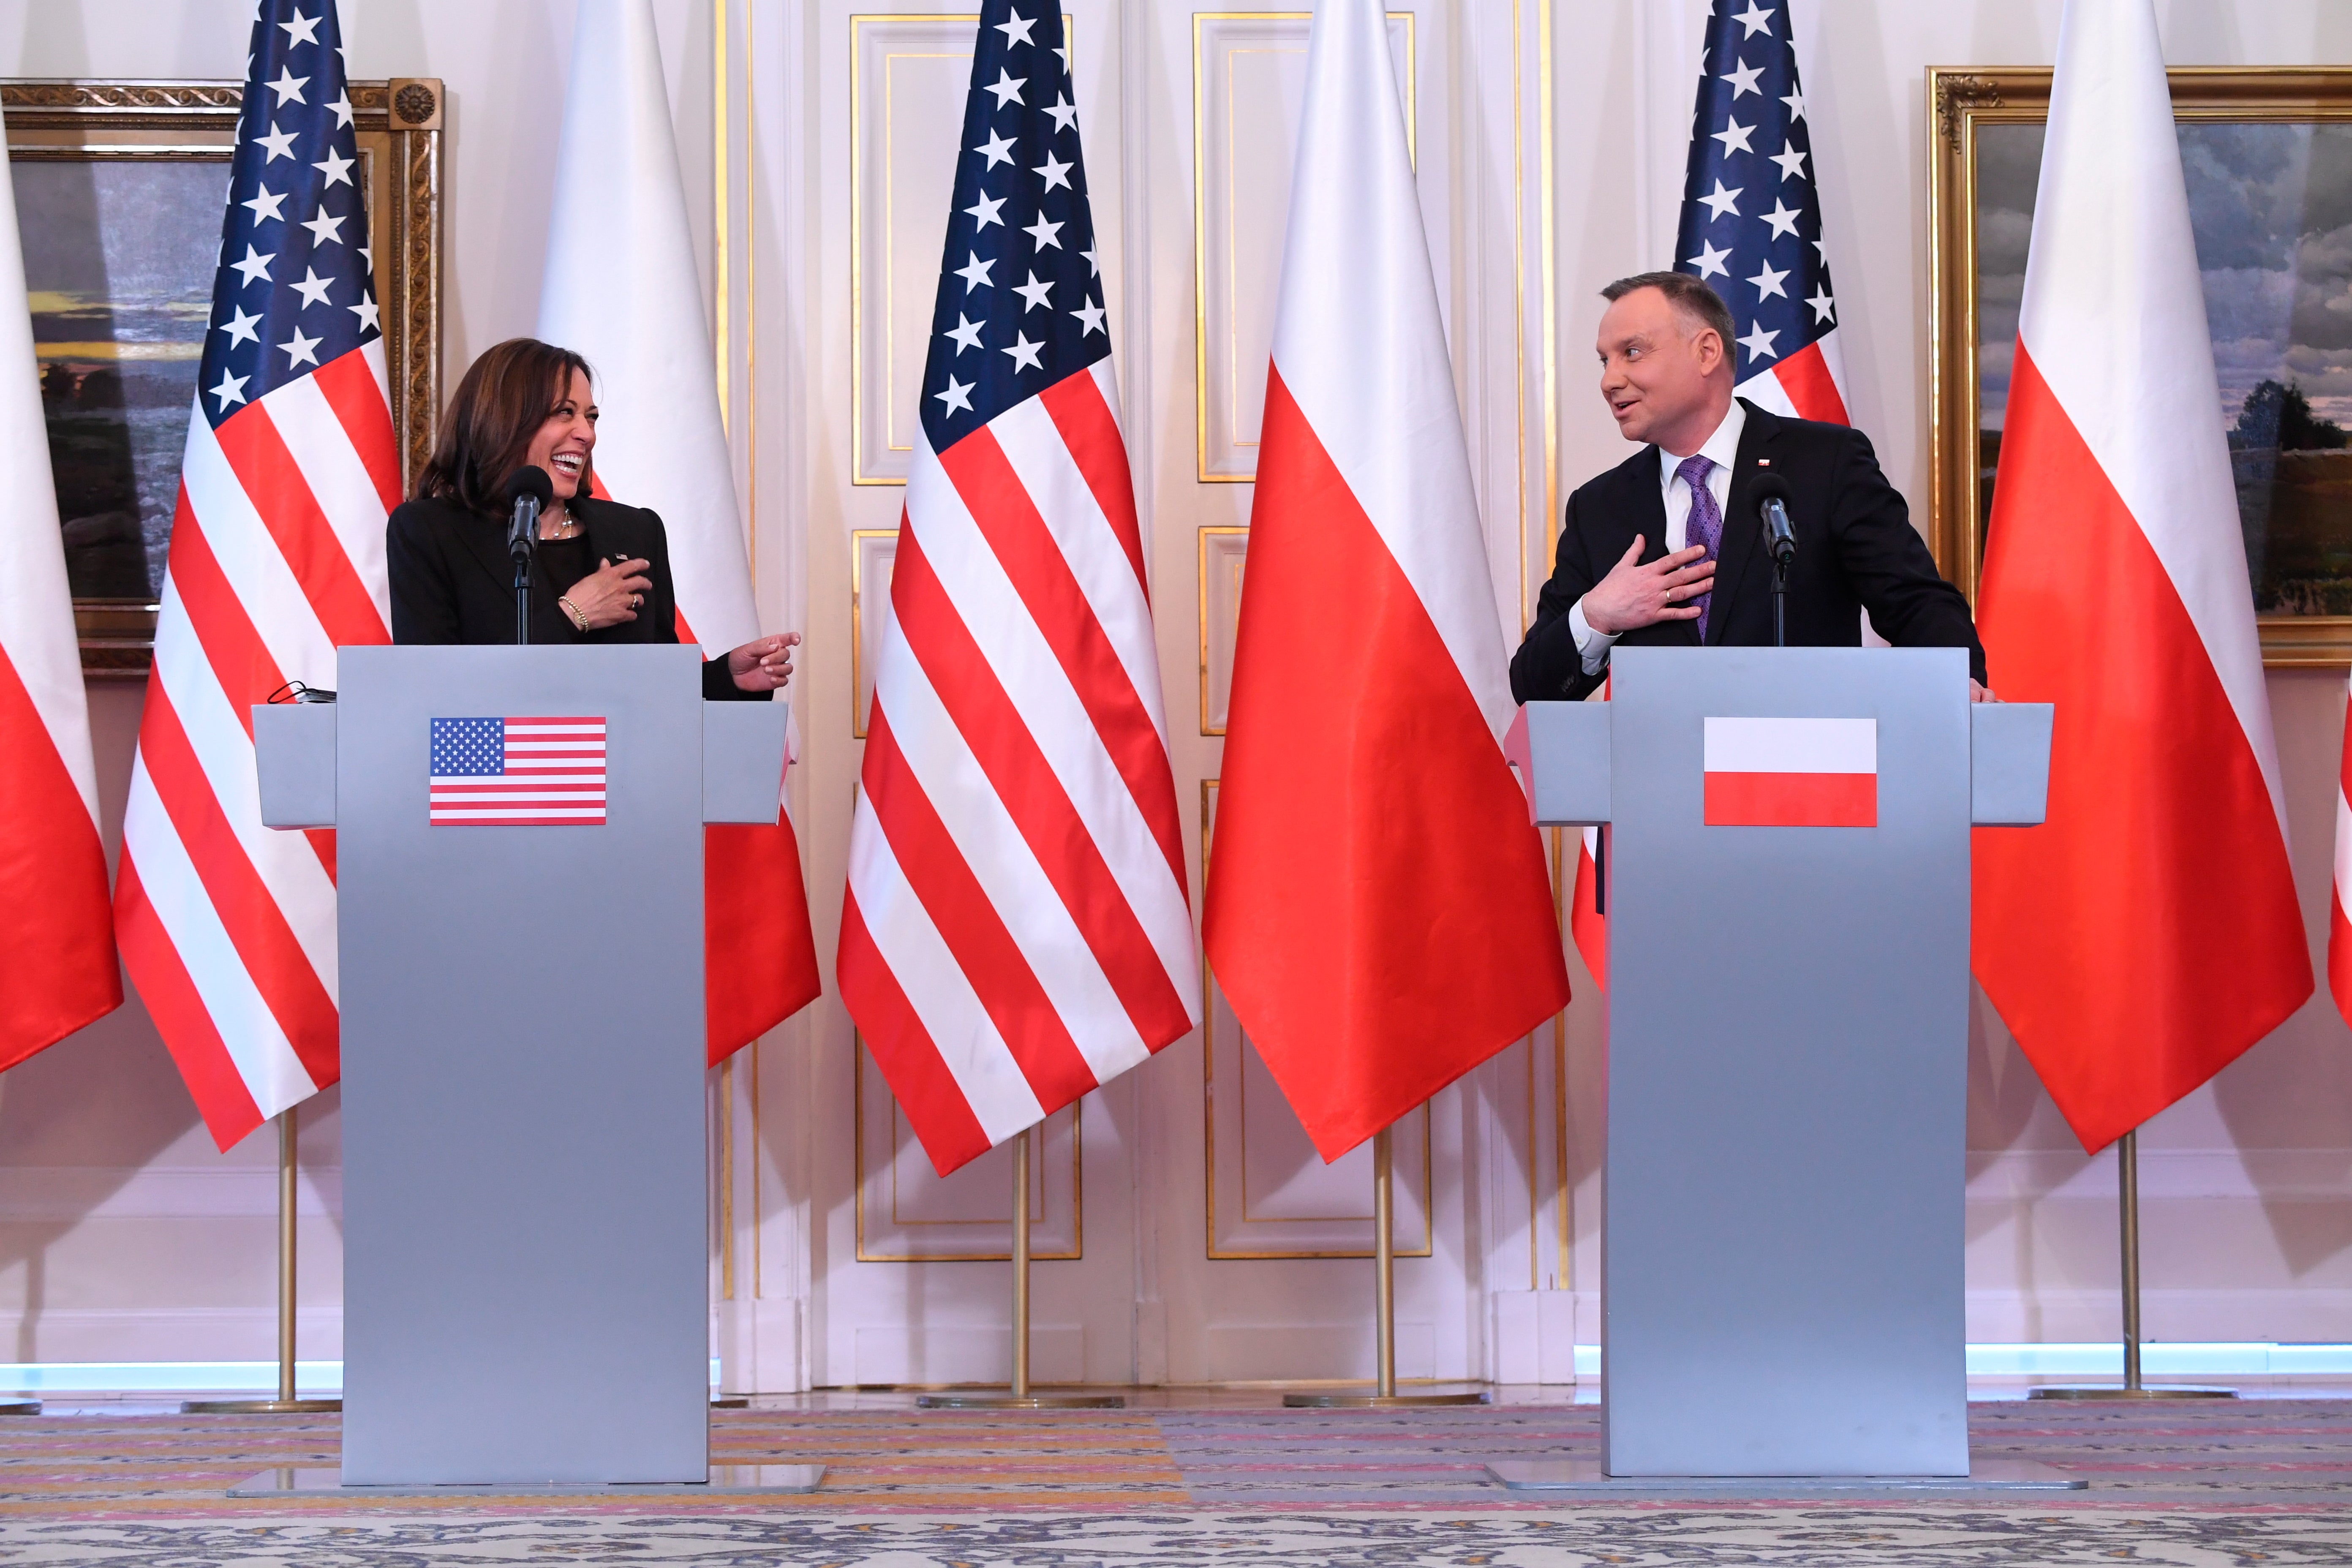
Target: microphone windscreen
pixel 531 479
pixel 1767 485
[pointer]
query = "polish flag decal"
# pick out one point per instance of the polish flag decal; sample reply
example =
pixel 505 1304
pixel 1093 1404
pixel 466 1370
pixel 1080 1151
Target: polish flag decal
pixel 1792 773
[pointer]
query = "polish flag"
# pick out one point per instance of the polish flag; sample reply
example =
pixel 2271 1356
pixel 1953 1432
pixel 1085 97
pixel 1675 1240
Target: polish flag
pixel 58 922
pixel 1792 773
pixel 1588 919
pixel 1378 908
pixel 2339 927
pixel 623 287
pixel 2148 932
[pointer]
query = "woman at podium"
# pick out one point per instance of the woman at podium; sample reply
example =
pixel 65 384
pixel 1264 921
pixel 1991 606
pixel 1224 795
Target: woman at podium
pixel 600 572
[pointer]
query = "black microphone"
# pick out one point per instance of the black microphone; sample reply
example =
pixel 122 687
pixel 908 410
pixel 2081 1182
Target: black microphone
pixel 528 490
pixel 1772 499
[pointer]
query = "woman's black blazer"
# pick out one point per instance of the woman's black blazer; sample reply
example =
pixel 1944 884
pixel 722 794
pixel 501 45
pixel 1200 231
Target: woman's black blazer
pixel 452 582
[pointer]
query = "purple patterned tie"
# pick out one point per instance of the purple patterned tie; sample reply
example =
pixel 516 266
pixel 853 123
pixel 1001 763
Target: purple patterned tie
pixel 1705 526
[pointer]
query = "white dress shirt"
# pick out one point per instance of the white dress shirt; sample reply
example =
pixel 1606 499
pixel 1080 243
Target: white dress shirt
pixel 1721 448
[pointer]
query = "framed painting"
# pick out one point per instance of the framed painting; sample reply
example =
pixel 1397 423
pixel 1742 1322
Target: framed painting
pixel 120 186
pixel 2268 158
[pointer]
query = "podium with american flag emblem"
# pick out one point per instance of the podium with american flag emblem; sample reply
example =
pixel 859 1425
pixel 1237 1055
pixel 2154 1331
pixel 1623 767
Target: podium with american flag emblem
pixel 520 920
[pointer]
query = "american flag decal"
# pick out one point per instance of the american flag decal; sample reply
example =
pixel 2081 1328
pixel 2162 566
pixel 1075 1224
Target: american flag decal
pixel 518 773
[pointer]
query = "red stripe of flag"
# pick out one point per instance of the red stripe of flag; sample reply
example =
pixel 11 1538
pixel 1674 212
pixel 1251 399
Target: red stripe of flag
pixel 999 740
pixel 352 390
pixel 936 1107
pixel 57 931
pixel 1007 517
pixel 240 660
pixel 273 483
pixel 281 971
pixel 1090 430
pixel 967 921
pixel 1805 377
pixel 172 999
pixel 1791 800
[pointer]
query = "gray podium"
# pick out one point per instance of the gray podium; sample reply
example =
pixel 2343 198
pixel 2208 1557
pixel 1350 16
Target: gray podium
pixel 524 1111
pixel 1788 1020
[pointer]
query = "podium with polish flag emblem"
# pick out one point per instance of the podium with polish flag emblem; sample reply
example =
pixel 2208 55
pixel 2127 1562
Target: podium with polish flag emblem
pixel 519 925
pixel 1785 870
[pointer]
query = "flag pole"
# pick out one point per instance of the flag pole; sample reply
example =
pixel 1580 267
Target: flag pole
pixel 287 1402
pixel 1021 1267
pixel 1019 1395
pixel 2127 1209
pixel 1384 1393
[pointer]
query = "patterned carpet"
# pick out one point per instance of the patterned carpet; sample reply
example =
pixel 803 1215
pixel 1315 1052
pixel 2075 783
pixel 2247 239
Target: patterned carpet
pixel 1621 1538
pixel 2262 1481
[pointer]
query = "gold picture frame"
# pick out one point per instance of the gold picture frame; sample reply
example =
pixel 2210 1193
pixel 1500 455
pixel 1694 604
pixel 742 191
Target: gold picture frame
pixel 1964 105
pixel 399 124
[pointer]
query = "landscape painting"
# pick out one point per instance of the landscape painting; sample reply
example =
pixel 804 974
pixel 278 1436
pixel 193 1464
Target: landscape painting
pixel 118 260
pixel 2271 203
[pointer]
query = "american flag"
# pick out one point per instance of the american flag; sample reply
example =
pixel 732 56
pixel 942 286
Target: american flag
pixel 518 773
pixel 1751 221
pixel 1017 928
pixel 226 928
pixel 1751 226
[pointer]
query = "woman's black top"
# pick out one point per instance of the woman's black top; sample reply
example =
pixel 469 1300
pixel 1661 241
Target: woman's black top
pixel 452 581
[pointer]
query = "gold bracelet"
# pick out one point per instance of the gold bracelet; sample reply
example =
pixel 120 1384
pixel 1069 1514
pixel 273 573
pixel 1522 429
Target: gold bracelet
pixel 573 611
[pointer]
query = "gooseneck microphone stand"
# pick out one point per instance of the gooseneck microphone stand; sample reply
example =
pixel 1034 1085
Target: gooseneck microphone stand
pixel 519 539
pixel 1781 545
pixel 527 491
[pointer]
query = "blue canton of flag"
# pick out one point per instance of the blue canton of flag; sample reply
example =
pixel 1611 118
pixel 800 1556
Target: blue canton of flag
pixel 1020 304
pixel 470 748
pixel 1751 217
pixel 296 286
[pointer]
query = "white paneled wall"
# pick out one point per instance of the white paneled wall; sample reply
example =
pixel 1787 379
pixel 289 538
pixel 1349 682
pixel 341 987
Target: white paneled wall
pixel 1198 1238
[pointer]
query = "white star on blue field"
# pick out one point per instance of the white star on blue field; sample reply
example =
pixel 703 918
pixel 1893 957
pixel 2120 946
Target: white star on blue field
pixel 296 287
pixel 1020 301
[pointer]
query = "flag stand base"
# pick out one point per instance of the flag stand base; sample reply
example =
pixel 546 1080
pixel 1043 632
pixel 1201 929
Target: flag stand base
pixel 1018 1396
pixel 1384 1395
pixel 1025 1401
pixel 2127 1195
pixel 1376 1401
pixel 285 1404
pixel 2133 1393
pixel 260 1406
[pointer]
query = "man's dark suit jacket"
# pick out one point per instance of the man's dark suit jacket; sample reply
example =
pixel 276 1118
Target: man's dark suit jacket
pixel 452 582
pixel 1855 548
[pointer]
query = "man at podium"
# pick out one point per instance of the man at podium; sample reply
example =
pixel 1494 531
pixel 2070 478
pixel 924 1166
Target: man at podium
pixel 600 571
pixel 1667 548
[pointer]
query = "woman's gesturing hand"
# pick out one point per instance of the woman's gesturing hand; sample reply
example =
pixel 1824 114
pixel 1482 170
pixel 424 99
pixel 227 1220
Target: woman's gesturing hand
pixel 765 664
pixel 612 593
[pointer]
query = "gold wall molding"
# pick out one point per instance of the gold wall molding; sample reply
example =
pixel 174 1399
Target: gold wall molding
pixel 1223 553
pixel 1225 453
pixel 898 1225
pixel 873 552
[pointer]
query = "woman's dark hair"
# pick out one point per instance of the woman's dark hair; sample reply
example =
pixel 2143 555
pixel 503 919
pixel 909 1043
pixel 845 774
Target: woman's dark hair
pixel 505 395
